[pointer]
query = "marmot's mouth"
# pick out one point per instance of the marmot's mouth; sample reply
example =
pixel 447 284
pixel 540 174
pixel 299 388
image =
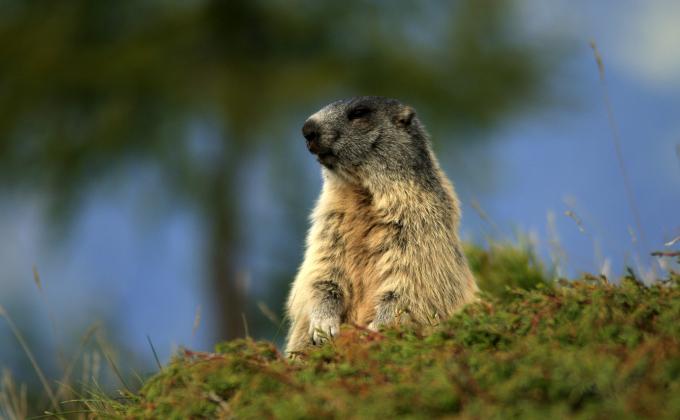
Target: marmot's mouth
pixel 323 154
pixel 327 159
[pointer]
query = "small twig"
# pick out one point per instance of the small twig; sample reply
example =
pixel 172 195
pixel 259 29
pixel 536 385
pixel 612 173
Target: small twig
pixel 71 365
pixel 113 366
pixel 36 278
pixel 616 139
pixel 268 313
pixel 245 324
pixel 573 216
pixel 672 241
pixel 155 355
pixel 483 215
pixel 197 321
pixel 24 345
pixel 666 254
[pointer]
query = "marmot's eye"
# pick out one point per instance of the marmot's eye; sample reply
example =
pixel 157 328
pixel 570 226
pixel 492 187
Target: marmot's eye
pixel 358 112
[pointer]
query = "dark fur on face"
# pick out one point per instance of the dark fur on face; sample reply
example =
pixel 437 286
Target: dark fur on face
pixel 368 131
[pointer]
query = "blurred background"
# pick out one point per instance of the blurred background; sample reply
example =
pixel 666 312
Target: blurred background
pixel 155 187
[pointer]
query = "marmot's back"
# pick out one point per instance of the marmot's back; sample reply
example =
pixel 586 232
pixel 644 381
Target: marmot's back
pixel 383 246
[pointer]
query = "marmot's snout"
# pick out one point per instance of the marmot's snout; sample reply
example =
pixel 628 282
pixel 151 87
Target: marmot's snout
pixel 310 131
pixel 312 134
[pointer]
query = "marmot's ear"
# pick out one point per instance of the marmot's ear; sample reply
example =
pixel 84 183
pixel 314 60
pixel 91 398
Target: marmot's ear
pixel 404 117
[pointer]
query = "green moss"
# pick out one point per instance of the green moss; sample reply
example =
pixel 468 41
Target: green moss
pixel 503 267
pixel 582 349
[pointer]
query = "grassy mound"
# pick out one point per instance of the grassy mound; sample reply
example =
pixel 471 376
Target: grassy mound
pixel 579 349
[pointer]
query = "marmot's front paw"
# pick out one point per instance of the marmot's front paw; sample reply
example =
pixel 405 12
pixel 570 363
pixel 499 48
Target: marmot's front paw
pixel 374 326
pixel 322 329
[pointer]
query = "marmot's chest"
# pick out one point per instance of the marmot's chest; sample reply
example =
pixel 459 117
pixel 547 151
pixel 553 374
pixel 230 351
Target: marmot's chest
pixel 369 241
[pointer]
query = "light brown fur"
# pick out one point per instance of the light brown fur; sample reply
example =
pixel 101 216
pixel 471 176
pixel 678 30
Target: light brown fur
pixel 377 236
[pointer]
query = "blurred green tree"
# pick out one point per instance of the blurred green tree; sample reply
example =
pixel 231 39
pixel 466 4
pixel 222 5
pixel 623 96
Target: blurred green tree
pixel 87 87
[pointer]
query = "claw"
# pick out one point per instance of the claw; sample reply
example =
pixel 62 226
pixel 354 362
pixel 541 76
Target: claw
pixel 322 330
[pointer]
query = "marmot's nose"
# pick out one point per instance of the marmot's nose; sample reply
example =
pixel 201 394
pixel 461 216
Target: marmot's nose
pixel 311 132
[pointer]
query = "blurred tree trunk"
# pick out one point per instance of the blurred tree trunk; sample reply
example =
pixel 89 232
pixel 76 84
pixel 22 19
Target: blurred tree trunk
pixel 227 291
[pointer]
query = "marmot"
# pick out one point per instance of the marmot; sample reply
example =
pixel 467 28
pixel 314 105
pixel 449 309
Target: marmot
pixel 383 246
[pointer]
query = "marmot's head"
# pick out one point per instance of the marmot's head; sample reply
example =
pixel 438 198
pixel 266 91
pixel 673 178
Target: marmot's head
pixel 350 135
